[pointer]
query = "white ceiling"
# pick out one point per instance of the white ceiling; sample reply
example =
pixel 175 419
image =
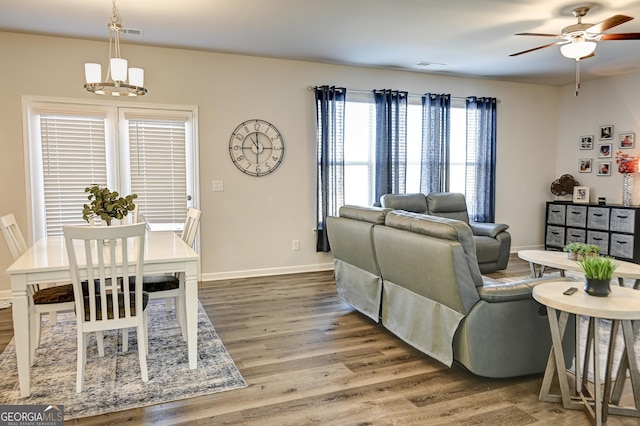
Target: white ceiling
pixel 469 37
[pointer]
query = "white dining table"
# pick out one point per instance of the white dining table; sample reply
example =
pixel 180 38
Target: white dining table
pixel 46 262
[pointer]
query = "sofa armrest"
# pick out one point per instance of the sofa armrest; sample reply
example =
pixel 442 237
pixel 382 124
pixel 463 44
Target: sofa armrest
pixel 494 291
pixel 488 229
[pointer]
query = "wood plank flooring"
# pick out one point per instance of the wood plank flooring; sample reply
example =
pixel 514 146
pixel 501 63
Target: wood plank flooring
pixel 308 358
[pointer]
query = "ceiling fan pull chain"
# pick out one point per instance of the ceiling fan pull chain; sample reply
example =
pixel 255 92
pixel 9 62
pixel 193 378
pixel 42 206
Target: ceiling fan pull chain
pixel 577 76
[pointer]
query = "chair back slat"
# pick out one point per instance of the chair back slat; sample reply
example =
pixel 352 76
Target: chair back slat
pixel 13 236
pixel 191 226
pixel 16 242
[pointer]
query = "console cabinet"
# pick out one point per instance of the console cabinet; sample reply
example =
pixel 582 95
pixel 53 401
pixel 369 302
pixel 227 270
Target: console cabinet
pixel 612 227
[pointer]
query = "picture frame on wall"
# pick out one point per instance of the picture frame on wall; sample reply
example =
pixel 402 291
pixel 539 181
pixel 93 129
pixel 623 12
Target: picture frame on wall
pixel 586 142
pixel 604 168
pixel 581 194
pixel 584 165
pixel 626 140
pixel 605 150
pixel 606 132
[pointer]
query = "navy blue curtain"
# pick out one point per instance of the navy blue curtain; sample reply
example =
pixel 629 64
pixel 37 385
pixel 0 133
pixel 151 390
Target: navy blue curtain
pixel 436 134
pixel 391 142
pixel 481 158
pixel 330 105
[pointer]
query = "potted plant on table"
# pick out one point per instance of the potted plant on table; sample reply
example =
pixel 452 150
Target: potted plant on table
pixel 107 204
pixel 572 250
pixel 598 272
pixel 577 251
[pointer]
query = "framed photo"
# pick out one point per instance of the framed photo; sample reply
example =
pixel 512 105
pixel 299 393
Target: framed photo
pixel 581 194
pixel 606 132
pixel 604 150
pixel 626 140
pixel 604 168
pixel 586 142
pixel 585 165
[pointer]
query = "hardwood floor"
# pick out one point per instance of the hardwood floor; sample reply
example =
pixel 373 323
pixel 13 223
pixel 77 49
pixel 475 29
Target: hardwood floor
pixel 308 358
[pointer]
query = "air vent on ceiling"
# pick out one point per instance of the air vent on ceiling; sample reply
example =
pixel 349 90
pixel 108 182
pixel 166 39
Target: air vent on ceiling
pixel 430 65
pixel 132 31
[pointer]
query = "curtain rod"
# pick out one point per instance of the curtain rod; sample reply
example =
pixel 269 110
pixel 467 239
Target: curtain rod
pixel 359 91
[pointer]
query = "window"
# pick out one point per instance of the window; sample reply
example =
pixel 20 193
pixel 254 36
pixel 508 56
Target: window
pixel 359 145
pixel 149 152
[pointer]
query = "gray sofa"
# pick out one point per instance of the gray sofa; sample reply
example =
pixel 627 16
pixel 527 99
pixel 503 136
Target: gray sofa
pixel 418 275
pixel 493 242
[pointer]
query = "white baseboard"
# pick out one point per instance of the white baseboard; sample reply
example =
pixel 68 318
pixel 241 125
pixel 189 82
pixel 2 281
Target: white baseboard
pixel 217 276
pixel 5 294
pixel 517 249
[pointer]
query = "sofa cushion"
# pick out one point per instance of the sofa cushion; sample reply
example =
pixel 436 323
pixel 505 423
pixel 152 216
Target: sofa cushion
pixel 448 204
pixel 416 203
pixel 440 227
pixel 373 215
pixel 487 249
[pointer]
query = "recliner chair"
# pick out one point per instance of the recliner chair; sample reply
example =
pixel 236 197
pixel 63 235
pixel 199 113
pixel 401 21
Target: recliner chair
pixel 493 242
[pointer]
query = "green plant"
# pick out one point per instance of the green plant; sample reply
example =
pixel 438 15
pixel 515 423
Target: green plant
pixel 106 204
pixel 582 248
pixel 589 249
pixel 573 247
pixel 598 267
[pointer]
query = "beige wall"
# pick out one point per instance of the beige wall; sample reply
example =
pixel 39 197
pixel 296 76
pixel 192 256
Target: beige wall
pixel 248 229
pixel 612 100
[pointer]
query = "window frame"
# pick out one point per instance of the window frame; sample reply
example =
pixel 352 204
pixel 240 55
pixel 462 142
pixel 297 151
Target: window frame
pixel 33 106
pixel 414 101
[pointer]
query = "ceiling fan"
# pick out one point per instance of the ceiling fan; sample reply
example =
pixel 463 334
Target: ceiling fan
pixel 578 41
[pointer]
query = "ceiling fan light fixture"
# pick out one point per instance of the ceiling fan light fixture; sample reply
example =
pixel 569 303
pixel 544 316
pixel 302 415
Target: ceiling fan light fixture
pixel 578 48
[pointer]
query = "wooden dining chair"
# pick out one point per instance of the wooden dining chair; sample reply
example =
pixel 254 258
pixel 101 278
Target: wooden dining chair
pixel 168 286
pixel 42 299
pixel 102 307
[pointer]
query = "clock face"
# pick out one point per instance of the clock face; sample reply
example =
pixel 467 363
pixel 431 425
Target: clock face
pixel 256 147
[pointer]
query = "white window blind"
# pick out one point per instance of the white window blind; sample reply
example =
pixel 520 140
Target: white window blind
pixel 73 157
pixel 150 151
pixel 157 150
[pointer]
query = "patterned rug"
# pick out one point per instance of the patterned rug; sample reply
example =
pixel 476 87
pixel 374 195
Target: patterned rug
pixel 605 325
pixel 113 383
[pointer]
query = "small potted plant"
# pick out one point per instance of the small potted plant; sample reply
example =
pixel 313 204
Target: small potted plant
pixel 589 250
pixel 598 272
pixel 576 251
pixel 572 250
pixel 106 204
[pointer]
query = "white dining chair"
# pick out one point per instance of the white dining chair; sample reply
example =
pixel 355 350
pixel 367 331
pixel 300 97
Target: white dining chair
pixel 102 307
pixel 42 299
pixel 167 286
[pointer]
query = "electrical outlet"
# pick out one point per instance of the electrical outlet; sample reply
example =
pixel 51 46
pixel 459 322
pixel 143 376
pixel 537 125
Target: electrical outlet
pixel 218 185
pixel 296 245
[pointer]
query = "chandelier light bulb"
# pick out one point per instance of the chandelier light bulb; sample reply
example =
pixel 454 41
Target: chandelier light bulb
pixel 92 72
pixel 119 69
pixel 136 77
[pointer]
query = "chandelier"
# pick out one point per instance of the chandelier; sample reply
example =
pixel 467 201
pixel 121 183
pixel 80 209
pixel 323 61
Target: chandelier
pixel 115 82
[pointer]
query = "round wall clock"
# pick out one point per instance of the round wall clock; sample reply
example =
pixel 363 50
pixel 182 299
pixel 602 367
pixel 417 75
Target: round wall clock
pixel 256 147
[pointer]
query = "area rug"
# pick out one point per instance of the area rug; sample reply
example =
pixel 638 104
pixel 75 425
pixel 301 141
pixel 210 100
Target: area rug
pixel 113 383
pixel 605 325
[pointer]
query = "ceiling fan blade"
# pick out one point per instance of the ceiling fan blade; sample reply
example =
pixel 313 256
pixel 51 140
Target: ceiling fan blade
pixel 540 34
pixel 535 48
pixel 607 24
pixel 620 36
